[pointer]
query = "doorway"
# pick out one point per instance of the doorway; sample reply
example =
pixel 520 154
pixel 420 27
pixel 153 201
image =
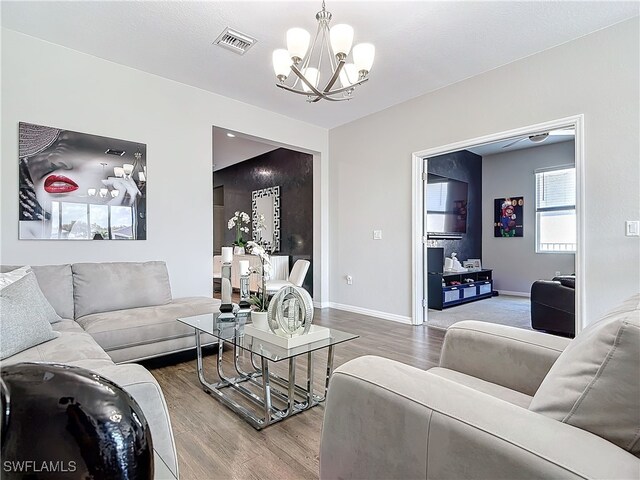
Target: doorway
pixel 256 181
pixel 450 226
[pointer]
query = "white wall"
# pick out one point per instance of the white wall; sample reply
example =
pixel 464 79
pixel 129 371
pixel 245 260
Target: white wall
pixel 51 85
pixel 514 261
pixel 370 171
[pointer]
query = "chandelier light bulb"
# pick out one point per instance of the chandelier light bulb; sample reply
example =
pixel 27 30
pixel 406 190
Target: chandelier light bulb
pixel 115 192
pixel 363 55
pixel 118 172
pixel 281 63
pixel 348 75
pixel 341 36
pixel 313 75
pixel 306 59
pixel 297 43
pixel 91 192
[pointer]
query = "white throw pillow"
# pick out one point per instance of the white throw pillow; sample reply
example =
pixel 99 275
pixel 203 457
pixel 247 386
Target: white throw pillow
pixel 595 383
pixel 8 278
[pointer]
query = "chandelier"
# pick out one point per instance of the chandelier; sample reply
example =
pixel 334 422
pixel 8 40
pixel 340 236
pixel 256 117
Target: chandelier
pixel 333 44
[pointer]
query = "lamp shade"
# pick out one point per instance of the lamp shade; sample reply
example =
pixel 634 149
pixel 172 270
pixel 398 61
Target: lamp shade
pixel 297 42
pixel 127 168
pixel 313 75
pixel 91 192
pixel 363 55
pixel 341 37
pixel 104 192
pixel 281 62
pixel 118 172
pixel 348 75
pixel 115 192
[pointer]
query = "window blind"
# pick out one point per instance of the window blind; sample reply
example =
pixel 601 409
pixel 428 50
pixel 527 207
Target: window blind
pixel 556 189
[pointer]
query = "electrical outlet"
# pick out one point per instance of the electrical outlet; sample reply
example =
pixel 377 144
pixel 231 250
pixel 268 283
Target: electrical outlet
pixel 377 234
pixel 349 280
pixel 632 228
pixel 557 274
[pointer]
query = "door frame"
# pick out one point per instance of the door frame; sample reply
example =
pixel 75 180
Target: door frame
pixel 419 291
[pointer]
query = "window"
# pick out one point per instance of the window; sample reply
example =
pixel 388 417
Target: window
pixel 556 210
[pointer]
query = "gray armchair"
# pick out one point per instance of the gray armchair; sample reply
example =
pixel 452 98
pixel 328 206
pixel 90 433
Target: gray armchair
pixel 492 409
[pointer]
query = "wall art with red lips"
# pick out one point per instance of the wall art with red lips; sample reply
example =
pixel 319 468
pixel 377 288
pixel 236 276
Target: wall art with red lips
pixel 78 186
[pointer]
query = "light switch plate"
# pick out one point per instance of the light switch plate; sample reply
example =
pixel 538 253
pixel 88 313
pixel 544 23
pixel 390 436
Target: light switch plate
pixel 377 234
pixel 632 228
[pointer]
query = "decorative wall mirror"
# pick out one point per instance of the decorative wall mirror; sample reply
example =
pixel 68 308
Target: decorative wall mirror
pixel 266 202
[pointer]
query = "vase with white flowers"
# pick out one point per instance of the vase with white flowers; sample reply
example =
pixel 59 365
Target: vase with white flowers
pixel 240 222
pixel 260 301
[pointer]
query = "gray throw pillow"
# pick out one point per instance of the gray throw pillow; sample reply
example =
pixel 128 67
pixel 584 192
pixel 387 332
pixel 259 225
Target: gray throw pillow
pixel 26 316
pixel 595 383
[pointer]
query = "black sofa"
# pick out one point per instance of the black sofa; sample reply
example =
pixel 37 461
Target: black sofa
pixel 553 305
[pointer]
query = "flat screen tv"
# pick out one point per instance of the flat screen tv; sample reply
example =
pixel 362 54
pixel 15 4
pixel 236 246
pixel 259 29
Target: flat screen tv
pixel 446 206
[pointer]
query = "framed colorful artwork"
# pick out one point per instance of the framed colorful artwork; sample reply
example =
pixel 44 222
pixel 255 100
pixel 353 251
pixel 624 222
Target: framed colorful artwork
pixel 508 218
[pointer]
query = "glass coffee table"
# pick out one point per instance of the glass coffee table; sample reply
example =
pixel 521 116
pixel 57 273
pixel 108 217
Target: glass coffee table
pixel 275 397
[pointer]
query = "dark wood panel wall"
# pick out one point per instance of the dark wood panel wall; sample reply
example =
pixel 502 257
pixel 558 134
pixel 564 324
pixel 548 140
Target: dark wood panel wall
pixel 293 173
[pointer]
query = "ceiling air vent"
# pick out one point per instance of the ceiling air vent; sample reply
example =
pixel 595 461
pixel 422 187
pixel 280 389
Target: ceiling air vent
pixel 235 41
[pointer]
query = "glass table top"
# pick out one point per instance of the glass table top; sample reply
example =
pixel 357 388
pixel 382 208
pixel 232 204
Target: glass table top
pixel 232 331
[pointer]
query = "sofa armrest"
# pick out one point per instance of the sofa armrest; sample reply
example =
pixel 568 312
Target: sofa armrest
pixel 512 357
pixel 386 420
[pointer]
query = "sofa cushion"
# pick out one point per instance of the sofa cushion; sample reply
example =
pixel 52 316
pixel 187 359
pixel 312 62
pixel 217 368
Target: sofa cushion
pixel 26 316
pixel 595 383
pixel 140 326
pixel 56 284
pixel 73 346
pixel 105 287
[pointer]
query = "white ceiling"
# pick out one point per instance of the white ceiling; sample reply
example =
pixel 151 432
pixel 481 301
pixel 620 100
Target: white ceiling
pixel 228 151
pixel 501 147
pixel 420 45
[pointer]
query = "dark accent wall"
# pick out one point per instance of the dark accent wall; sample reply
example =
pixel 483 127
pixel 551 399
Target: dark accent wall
pixel 293 173
pixel 467 167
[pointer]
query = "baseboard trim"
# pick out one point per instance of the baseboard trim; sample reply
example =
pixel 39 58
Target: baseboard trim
pixel 321 305
pixel 514 294
pixel 372 313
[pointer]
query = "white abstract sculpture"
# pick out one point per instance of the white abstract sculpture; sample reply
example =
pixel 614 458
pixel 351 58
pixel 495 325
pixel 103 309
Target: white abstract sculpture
pixel 290 312
pixel 453 264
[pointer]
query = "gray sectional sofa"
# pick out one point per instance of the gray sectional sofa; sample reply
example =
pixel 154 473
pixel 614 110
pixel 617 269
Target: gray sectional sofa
pixel 114 313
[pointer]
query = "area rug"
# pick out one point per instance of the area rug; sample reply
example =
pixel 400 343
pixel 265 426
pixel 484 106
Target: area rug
pixel 504 310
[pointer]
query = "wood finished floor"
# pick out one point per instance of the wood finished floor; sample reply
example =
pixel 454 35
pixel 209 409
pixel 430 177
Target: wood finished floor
pixel 215 443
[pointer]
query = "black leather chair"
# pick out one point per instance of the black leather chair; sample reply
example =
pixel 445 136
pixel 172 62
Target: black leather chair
pixel 553 305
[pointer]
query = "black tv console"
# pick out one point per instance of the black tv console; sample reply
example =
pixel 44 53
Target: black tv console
pixel 443 294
